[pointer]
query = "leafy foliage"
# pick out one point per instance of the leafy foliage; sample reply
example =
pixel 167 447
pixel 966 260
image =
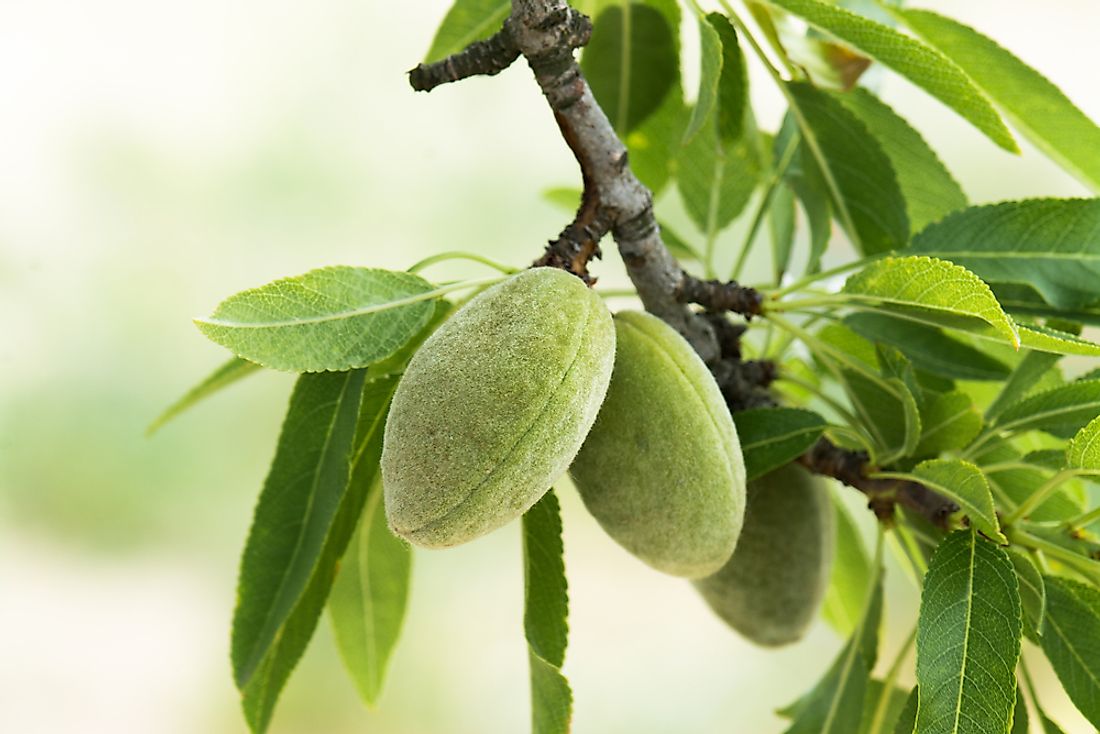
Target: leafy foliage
pixel 368 599
pixel 1035 106
pixel 922 65
pixel 290 556
pixel 867 195
pixel 772 437
pixel 546 608
pixel 968 639
pixel 336 318
pixel 936 367
pixel 1071 641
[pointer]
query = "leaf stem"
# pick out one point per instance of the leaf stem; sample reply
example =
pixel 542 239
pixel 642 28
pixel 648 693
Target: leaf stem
pixel 765 204
pixel 823 274
pixel 1086 519
pixel 460 255
pixel 1040 495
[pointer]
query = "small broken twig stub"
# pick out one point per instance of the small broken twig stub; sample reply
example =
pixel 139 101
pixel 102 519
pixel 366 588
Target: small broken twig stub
pixel 481 58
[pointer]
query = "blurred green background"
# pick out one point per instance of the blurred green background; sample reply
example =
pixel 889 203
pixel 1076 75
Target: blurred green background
pixel 156 157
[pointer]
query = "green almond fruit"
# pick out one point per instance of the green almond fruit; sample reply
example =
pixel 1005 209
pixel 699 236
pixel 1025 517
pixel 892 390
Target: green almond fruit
pixel 772 586
pixel 662 470
pixel 494 406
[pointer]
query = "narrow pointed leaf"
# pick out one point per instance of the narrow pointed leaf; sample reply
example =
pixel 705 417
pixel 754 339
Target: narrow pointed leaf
pixel 1052 245
pixel 330 319
pixel 1019 483
pixel 865 184
pixel 1022 380
pixel 907 721
pixel 1083 451
pixel 934 285
pixel 631 62
pixel 851 577
pixel 546 609
pixel 968 639
pixel 772 437
pixel 732 98
pixel 929 189
pixel 921 64
pixel 835 705
pixel 230 372
pixel 367 604
pixel 897 697
pixel 1020 723
pixel 966 485
pixel 928 348
pixel 1061 411
pixel 297 536
pixel 949 421
pixel 1034 105
pixel 710 70
pixel 467 21
pixel 716 180
pixel 1033 594
pixel 1071 641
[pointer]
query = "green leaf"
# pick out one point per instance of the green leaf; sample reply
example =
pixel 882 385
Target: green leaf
pixel 851 576
pixel 931 284
pixel 864 183
pixel 949 421
pixel 781 227
pixel 835 705
pixel 1052 245
pixel 1049 727
pixel 803 176
pixel 1071 641
pixel 966 485
pixel 546 609
pixel 566 198
pixel 898 698
pixel 1018 484
pixel 1033 593
pixel 907 720
pixel 1031 337
pixel 631 62
pixel 1036 107
pixel 330 319
pixel 928 348
pixel 710 70
pixel 1061 411
pixel 1019 714
pixel 1083 451
pixel 968 639
pixel 229 373
pixel 716 181
pixel 929 190
pixel 467 21
pixel 922 65
pixel 1022 380
pixel 879 408
pixel 367 603
pixel 296 539
pixel 772 437
pixel 732 103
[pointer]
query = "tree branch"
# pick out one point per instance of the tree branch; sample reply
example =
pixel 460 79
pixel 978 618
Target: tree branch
pixel 487 58
pixel 852 467
pixel 546 33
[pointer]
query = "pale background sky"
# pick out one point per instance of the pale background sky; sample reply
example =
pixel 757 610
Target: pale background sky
pixel 155 157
